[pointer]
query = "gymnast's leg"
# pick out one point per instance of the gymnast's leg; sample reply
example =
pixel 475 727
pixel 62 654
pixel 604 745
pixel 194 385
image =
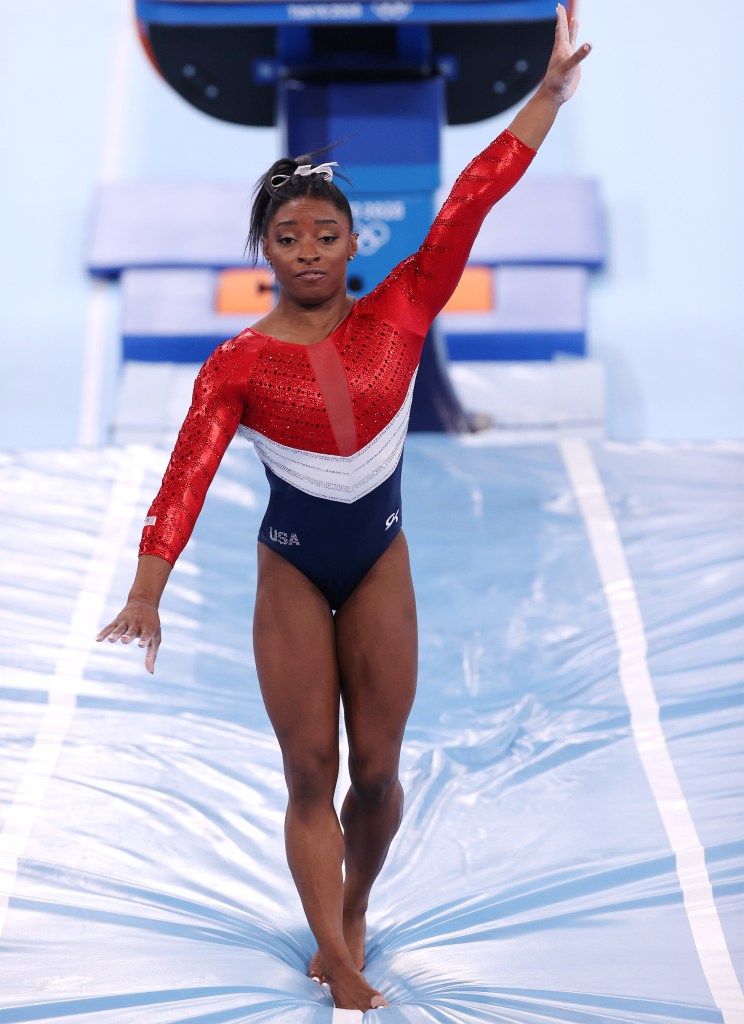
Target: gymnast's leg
pixel 376 645
pixel 294 647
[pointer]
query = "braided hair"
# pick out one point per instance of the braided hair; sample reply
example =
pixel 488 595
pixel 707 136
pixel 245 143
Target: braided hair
pixel 268 197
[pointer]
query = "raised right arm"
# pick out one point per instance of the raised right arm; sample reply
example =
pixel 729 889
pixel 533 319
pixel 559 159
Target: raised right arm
pixel 418 288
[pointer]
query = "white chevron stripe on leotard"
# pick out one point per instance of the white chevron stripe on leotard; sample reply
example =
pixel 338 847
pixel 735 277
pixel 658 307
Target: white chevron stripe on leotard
pixel 344 478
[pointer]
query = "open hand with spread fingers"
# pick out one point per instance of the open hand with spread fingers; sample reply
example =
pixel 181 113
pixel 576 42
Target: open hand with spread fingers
pixel 535 119
pixel 564 69
pixel 139 621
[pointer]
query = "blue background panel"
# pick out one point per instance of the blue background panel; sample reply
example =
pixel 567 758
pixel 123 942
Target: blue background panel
pixel 390 126
pixel 515 345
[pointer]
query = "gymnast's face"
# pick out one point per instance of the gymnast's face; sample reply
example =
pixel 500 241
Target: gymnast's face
pixel 309 243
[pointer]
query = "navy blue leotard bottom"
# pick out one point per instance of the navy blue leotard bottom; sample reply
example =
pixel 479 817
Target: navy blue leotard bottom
pixel 333 543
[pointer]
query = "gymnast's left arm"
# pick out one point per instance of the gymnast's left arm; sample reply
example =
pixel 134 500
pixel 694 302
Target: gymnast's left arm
pixel 429 277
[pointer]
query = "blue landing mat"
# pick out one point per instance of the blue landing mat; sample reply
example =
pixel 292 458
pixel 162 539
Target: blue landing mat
pixel 572 845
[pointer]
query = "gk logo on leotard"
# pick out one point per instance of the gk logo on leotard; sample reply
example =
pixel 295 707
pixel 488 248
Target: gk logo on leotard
pixel 392 519
pixel 283 538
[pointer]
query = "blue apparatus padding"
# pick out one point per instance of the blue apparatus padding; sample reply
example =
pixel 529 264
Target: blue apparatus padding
pixel 389 134
pixel 389 140
pixel 397 148
pixel 571 848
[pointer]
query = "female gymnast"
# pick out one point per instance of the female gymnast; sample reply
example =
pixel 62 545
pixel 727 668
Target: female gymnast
pixel 322 387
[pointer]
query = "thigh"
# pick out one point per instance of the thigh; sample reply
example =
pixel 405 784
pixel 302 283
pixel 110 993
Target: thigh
pixel 377 650
pixel 294 648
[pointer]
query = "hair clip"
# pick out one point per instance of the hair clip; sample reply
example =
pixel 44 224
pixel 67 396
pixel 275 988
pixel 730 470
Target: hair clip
pixel 303 171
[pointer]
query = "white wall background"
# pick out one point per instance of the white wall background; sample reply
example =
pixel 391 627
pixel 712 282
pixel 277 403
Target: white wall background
pixel 658 120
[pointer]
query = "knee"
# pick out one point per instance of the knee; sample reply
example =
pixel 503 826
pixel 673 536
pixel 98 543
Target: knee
pixel 373 783
pixel 311 778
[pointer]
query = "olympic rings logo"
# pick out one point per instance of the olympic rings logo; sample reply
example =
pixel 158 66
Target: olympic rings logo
pixel 373 235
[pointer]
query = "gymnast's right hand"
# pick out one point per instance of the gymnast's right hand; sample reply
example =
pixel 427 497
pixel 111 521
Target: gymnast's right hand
pixel 138 620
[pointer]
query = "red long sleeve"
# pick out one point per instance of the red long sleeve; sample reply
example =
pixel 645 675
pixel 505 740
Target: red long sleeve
pixel 216 408
pixel 426 280
pixel 352 384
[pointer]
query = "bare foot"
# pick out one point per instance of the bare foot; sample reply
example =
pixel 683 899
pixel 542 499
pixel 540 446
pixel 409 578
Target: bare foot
pixel 355 929
pixel 351 991
pixel 315 970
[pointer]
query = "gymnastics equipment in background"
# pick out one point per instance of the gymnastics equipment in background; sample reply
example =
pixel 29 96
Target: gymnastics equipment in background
pixel 522 295
pixel 383 77
pixel 228 58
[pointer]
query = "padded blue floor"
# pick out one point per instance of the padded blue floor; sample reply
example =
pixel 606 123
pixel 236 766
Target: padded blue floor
pixel 536 876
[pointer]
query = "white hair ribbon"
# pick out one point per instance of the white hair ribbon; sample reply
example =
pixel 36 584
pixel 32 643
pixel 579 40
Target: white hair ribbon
pixel 325 170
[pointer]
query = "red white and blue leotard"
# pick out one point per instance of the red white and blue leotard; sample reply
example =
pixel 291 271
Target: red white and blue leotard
pixel 329 420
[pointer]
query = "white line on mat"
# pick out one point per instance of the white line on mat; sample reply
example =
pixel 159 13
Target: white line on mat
pixel 69 670
pixel 648 735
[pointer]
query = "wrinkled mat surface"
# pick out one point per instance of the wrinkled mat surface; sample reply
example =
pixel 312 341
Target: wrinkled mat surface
pixel 572 846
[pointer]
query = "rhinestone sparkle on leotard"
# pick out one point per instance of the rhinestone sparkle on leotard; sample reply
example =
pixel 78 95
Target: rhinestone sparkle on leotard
pixel 298 398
